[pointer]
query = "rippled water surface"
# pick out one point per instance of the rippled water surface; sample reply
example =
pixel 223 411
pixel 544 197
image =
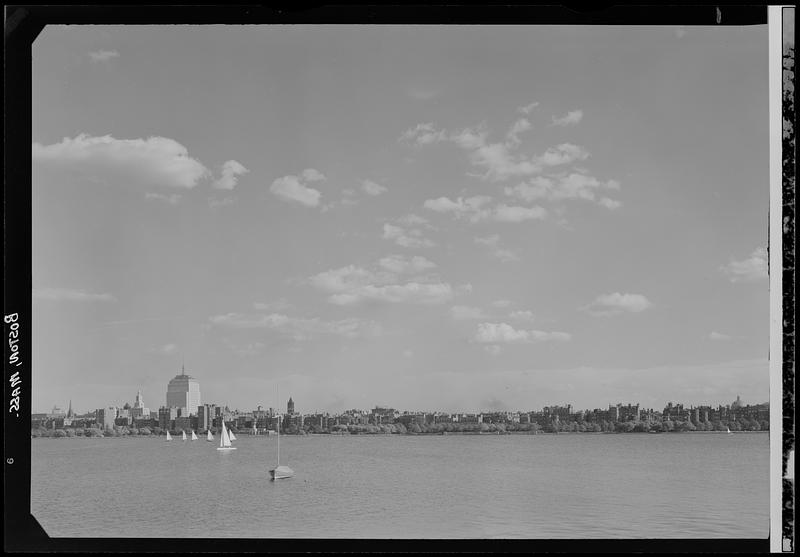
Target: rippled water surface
pixel 396 486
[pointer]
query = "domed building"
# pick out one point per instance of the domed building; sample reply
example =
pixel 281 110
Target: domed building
pixel 183 391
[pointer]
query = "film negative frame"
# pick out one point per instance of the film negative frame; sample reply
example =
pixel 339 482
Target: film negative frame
pixel 23 24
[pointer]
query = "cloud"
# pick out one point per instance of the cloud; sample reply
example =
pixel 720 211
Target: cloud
pixel 155 161
pixel 521 125
pixel 503 333
pixel 294 188
pixel 527 109
pixel 752 269
pixel 231 170
pixel 522 315
pixel 214 203
pixel 574 185
pixel 423 134
pixel 616 303
pixel 69 295
pixel 473 209
pixel 401 264
pixel 570 118
pixel 384 283
pixel 296 327
pixel 718 336
pixel 103 55
pixel 493 349
pixel 406 237
pixel 172 199
pixel 422 94
pixel 372 188
pixel 493 242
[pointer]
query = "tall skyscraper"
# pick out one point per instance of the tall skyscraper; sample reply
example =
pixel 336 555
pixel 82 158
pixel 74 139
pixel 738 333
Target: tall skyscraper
pixel 183 391
pixel 290 407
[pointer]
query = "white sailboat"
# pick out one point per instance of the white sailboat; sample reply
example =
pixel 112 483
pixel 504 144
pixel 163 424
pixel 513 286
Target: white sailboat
pixel 255 431
pixel 280 472
pixel 729 431
pixel 209 436
pixel 231 435
pixel 169 437
pixel 183 436
pixel 194 437
pixel 225 441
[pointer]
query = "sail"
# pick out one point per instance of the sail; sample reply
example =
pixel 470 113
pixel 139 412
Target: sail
pixel 231 435
pixel 169 437
pixel 183 435
pixel 209 437
pixel 194 437
pixel 224 441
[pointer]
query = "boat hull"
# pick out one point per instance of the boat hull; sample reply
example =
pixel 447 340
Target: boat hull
pixel 281 472
pixel 226 448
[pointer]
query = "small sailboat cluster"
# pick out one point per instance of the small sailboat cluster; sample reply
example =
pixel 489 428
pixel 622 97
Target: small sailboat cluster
pixel 225 439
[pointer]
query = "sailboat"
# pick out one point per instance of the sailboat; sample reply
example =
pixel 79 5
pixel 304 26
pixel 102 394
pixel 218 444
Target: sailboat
pixel 729 431
pixel 255 431
pixel 231 435
pixel 183 436
pixel 169 437
pixel 280 472
pixel 194 437
pixel 225 441
pixel 209 437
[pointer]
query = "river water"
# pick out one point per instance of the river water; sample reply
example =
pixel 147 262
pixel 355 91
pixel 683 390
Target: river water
pixel 397 486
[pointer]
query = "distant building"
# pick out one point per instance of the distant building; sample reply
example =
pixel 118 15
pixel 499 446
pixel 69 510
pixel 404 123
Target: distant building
pixel 205 416
pixel 183 391
pixel 106 417
pixel 138 410
pixel 290 406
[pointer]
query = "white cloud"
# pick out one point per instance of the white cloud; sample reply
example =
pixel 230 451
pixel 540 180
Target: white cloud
pixel 296 327
pixel 294 189
pixel 493 242
pixel 424 134
pixel 70 295
pixel 504 213
pixel 573 185
pixel 155 161
pixel 718 336
pixel 172 199
pixel 564 153
pixel 401 264
pixel 372 188
pixel 752 269
pixel 570 118
pixel 231 170
pixel 522 315
pixel 280 304
pixel 406 237
pixel 493 349
pixel 613 304
pixel 471 207
pixel 521 125
pixel 103 55
pixel 214 203
pixel 527 109
pixel 412 220
pixel 503 333
pixel 352 284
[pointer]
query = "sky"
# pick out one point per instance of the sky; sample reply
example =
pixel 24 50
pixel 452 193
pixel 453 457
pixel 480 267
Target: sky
pixel 455 218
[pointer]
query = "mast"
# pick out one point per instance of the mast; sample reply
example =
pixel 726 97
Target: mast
pixel 279 427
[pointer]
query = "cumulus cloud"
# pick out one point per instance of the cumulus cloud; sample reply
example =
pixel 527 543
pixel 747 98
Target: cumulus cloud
pixel 616 303
pixel 527 109
pixel 231 170
pixel 406 237
pixel 295 189
pixel 574 185
pixel 373 188
pixel 384 283
pixel 493 242
pixel 474 209
pixel 402 264
pixel 70 295
pixel 103 55
pixel 503 333
pixel 155 161
pixel 213 203
pixel 521 315
pixel 423 134
pixel 521 125
pixel 570 118
pixel 751 269
pixel 297 328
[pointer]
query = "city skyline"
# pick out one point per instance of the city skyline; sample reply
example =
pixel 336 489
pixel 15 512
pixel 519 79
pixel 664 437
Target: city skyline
pixel 491 219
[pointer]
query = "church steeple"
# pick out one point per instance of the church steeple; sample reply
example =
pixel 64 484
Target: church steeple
pixel 69 412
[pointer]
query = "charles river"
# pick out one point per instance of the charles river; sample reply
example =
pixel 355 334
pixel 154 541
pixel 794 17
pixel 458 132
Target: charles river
pixel 679 485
